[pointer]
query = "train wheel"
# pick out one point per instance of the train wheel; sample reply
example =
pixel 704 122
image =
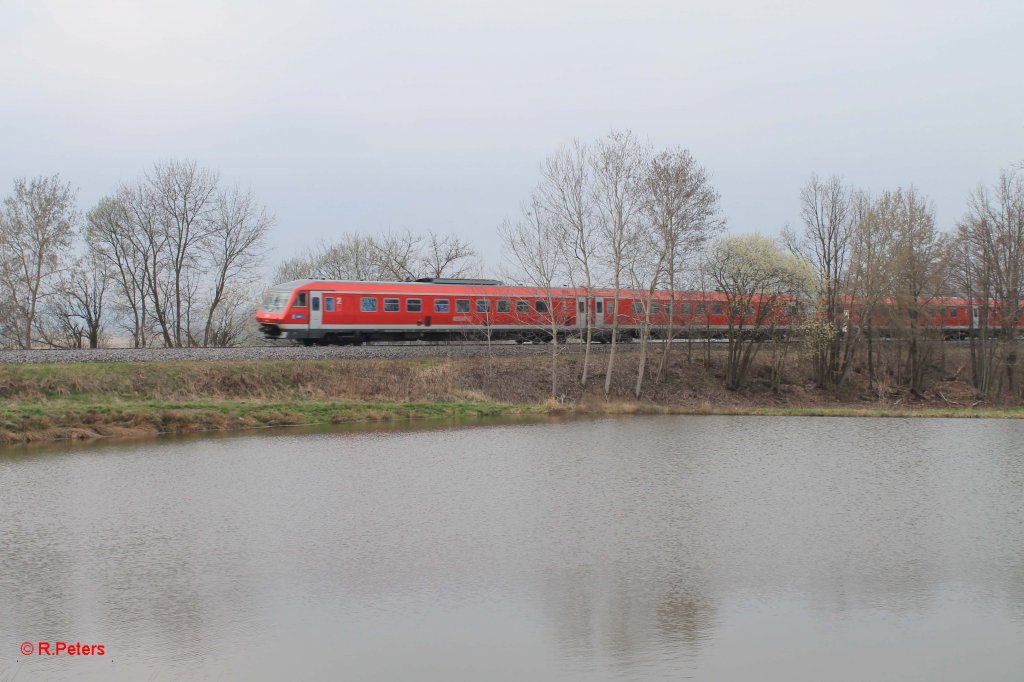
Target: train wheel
pixel 308 342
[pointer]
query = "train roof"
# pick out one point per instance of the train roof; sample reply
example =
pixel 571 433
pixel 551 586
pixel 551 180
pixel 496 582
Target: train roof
pixel 477 288
pixel 490 287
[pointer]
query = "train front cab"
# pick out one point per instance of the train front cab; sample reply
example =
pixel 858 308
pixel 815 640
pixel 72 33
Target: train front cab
pixel 286 313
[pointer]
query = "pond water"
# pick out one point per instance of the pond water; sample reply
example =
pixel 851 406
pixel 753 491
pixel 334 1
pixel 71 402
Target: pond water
pixel 719 548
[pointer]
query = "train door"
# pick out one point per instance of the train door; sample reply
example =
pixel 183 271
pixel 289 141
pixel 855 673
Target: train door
pixel 316 311
pixel 581 312
pixel 598 312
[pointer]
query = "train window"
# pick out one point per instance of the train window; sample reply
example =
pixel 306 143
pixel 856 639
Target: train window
pixel 685 309
pixel 504 306
pixel 540 306
pixel 655 308
pixel 462 305
pixel 954 312
pixel 599 307
pixel 441 305
pixel 413 305
pixel 483 305
pixel 329 304
pixel 522 307
pixel 610 306
pixel 391 305
pixel 368 304
pixel 716 309
pixel 300 301
pixel 750 311
pixel 316 303
pixel 701 308
pixel 638 307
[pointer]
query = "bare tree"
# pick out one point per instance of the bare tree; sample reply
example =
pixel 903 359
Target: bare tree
pixel 239 227
pixel 645 271
pixel 825 208
pixel 683 210
pixel 233 322
pixel 352 257
pixel 36 228
pixel 446 256
pixel 918 266
pixel 971 275
pixel 178 245
pixel 533 243
pixel 145 226
pixel 79 305
pixel 186 198
pixel 567 195
pixel 398 254
pixel 992 243
pixel 871 246
pixel 618 166
pixel 112 239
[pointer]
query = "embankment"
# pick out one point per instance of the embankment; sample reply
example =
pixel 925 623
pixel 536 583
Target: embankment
pixel 47 402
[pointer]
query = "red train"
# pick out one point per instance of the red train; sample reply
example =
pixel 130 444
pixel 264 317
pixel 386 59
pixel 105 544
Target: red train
pixel 325 312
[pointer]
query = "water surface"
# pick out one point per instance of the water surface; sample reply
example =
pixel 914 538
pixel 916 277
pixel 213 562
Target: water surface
pixel 615 549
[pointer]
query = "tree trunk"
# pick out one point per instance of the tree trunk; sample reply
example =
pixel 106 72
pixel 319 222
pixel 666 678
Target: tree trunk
pixel 554 356
pixel 645 334
pixel 590 336
pixel 669 334
pixel 615 338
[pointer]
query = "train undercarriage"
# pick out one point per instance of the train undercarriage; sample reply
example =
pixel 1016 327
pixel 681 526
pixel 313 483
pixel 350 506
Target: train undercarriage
pixel 319 337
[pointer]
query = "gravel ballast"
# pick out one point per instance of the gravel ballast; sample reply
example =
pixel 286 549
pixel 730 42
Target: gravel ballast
pixel 272 352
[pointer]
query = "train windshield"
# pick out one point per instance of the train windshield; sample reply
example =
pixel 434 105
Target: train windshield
pixel 275 301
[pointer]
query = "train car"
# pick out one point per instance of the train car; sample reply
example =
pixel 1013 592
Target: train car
pixel 955 318
pixel 324 312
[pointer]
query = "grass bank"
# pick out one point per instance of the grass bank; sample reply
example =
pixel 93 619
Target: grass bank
pixel 79 419
pixel 47 402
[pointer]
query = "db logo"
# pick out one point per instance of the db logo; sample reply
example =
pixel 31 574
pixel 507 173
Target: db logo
pixel 27 648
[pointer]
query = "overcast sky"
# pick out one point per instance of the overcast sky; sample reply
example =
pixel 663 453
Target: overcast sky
pixel 436 115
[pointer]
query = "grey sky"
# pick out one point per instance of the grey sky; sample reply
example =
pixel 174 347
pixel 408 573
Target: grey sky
pixel 435 115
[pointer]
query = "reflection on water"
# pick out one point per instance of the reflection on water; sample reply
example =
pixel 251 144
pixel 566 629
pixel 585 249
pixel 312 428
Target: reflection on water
pixel 641 548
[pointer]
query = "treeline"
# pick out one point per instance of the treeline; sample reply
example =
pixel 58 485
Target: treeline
pixel 614 213
pixel 884 256
pixel 618 214
pixel 396 256
pixel 174 258
pixel 170 259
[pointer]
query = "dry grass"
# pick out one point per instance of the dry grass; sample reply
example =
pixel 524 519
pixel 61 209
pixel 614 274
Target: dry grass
pixel 61 419
pixel 44 402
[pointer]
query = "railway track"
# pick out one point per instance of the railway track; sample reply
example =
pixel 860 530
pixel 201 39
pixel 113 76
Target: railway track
pixel 379 351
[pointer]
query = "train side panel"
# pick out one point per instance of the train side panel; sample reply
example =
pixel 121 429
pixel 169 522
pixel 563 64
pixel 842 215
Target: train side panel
pixel 328 311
